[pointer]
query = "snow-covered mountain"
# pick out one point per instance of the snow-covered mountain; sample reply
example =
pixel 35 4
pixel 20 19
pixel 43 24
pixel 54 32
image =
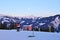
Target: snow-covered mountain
pixel 36 21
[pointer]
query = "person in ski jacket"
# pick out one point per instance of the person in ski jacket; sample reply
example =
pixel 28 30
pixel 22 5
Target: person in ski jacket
pixel 18 26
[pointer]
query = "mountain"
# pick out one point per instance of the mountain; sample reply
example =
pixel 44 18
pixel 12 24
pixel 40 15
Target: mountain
pixel 35 21
pixel 7 19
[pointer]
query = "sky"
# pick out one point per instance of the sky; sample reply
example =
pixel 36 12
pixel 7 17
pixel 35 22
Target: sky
pixel 30 7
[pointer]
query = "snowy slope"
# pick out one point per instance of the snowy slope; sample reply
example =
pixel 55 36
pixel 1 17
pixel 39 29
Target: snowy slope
pixel 23 35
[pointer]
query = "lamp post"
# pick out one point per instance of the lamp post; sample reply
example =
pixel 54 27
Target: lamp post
pixel 32 34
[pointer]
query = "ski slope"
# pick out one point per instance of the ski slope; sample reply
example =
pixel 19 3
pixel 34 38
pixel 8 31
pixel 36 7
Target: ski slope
pixel 23 35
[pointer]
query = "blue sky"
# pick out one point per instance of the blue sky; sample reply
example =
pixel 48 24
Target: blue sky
pixel 30 7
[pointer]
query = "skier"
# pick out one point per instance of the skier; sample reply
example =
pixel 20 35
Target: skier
pixel 18 27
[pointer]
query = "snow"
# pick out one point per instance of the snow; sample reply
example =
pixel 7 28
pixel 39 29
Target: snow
pixel 22 22
pixel 56 22
pixel 41 23
pixel 23 35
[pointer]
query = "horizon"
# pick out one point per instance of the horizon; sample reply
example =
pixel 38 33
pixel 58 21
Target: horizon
pixel 39 15
pixel 30 16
